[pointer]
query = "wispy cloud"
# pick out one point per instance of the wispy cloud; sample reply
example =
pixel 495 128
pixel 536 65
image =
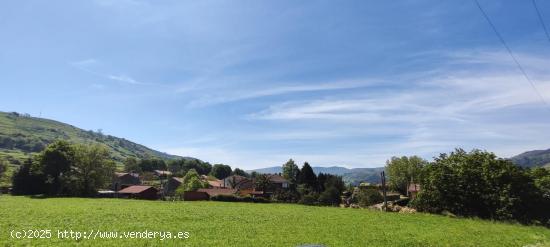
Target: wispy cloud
pixel 227 96
pixel 87 66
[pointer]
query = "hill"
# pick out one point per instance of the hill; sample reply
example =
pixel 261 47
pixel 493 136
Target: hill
pixel 353 175
pixel 533 158
pixel 21 135
pixel 249 224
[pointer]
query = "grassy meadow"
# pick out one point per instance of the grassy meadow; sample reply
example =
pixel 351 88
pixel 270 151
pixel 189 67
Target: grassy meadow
pixel 248 224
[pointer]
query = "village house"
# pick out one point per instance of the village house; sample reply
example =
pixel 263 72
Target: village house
pixel 139 192
pixel 122 180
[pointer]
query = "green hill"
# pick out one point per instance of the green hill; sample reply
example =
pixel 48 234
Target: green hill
pixel 533 158
pixel 22 135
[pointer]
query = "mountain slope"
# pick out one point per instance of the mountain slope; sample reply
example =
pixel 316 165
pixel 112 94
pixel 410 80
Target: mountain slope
pixel 353 176
pixel 21 135
pixel 533 158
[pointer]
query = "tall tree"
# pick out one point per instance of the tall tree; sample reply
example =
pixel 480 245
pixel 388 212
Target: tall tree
pixel 308 177
pixel 54 162
pixel 24 182
pixel 92 170
pixel 221 171
pixel 240 172
pixel 291 171
pixel 403 171
pixel 131 165
pixel 262 182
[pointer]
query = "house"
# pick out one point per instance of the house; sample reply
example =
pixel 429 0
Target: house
pixel 171 185
pixel 278 181
pixel 413 190
pixel 139 192
pixel 215 192
pixel 215 184
pixel 237 182
pixel 122 180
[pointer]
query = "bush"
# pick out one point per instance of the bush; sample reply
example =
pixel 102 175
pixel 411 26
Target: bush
pixel 235 198
pixel 309 199
pixel 479 184
pixel 368 197
pixel 226 198
pixel 330 196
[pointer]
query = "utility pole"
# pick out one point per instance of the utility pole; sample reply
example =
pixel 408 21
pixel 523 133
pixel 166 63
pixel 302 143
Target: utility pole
pixel 383 178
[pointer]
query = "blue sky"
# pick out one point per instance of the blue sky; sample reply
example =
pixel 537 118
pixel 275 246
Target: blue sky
pixel 254 83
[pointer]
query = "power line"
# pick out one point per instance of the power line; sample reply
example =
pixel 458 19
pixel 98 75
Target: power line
pixel 541 20
pixel 511 54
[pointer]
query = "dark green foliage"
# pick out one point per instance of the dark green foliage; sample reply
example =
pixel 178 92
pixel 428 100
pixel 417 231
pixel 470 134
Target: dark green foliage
pixel 291 171
pixel 368 197
pixel 401 171
pixel 26 183
pixel 225 198
pixel 65 169
pixel 331 196
pixel 53 162
pixel 286 196
pixel 131 164
pixel 149 165
pixel 3 167
pixel 240 172
pixel 236 198
pixel 481 185
pixel 262 182
pixel 309 199
pixel 181 166
pixel 308 177
pixel 221 171
pixel 92 169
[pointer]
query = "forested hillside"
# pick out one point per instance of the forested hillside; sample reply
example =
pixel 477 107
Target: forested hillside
pixel 22 135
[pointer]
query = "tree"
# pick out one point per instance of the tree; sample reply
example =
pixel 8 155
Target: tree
pixel 479 184
pixel 190 182
pixel 240 172
pixel 131 165
pixel 3 168
pixel 403 171
pixel 54 162
pixel 221 171
pixel 369 196
pixel 92 170
pixel 308 177
pixel 291 171
pixel 330 196
pixel 262 182
pixel 26 183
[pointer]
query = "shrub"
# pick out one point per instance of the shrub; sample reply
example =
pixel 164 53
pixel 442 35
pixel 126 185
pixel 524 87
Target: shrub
pixel 368 197
pixel 309 199
pixel 226 198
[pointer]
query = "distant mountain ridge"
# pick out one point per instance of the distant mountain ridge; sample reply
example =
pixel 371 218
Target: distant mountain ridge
pixel 533 158
pixel 350 175
pixel 21 135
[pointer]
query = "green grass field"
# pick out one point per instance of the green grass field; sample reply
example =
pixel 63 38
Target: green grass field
pixel 248 224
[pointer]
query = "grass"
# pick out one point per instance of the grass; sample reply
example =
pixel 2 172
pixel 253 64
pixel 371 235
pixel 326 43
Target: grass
pixel 248 224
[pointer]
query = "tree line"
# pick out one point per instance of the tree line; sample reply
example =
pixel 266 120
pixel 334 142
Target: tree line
pixel 474 184
pixel 65 169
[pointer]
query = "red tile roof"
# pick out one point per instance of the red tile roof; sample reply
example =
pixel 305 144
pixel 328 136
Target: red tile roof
pixel 278 179
pixel 135 189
